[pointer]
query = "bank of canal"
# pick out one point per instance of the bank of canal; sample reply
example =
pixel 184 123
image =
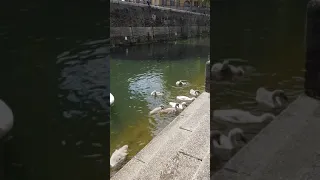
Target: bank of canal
pixel 138 70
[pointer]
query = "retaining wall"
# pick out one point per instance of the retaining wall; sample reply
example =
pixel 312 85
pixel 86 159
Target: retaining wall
pixel 132 23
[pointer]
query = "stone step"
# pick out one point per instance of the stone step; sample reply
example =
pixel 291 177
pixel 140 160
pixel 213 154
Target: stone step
pixel 203 172
pixel 168 142
pixel 182 155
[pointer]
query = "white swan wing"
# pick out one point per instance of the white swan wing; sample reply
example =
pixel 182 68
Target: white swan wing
pixel 173 104
pixel 111 99
pixel 6 119
pixel 155 110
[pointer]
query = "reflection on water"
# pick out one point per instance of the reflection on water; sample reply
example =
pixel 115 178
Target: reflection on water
pixel 55 76
pixel 136 72
pixel 265 39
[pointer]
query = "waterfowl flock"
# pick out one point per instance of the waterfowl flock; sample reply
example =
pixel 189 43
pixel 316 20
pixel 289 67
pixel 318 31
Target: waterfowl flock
pixel 173 108
pixel 272 100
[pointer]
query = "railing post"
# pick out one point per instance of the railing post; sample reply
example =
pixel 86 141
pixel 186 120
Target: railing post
pixel 207 76
pixel 312 74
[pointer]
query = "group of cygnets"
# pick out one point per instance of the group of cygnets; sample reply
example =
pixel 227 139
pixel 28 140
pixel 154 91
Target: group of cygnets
pixel 271 99
pixel 174 108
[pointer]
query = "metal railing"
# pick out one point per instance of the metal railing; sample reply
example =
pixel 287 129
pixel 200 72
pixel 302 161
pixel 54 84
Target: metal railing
pixel 173 5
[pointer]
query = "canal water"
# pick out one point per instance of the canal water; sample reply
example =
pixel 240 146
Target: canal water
pixel 54 75
pixel 135 72
pixel 267 36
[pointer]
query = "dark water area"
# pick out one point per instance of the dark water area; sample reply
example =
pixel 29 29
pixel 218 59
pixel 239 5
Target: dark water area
pixel 268 37
pixel 55 77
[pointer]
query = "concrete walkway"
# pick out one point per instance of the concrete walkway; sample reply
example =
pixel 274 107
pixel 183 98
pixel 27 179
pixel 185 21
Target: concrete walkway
pixel 287 149
pixel 181 150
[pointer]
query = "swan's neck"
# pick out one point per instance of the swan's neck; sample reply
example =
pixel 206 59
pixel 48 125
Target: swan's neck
pixel 266 117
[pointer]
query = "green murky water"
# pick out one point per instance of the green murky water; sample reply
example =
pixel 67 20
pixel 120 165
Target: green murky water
pixel 135 72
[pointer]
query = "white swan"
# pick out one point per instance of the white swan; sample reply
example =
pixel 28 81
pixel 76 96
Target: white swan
pixel 225 69
pixel 239 116
pixel 236 70
pixel 6 119
pixel 194 92
pixel 118 156
pixel 229 142
pixel 218 67
pixel 171 110
pixel 111 99
pixel 185 98
pixel 182 83
pixel 155 93
pixel 157 109
pixel 180 106
pixel 273 99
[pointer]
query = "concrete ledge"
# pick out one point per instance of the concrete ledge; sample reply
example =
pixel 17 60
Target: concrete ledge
pixel 165 156
pixel 287 148
pixel 133 35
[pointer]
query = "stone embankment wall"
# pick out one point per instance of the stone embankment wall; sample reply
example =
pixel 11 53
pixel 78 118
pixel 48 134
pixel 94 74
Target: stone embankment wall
pixel 132 23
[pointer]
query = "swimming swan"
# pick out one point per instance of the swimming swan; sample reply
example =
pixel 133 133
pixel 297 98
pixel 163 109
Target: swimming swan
pixel 227 142
pixel 118 156
pixel 6 119
pixel 194 92
pixel 155 93
pixel 273 99
pixel 171 110
pixel 185 98
pixel 156 110
pixel 225 69
pixel 239 116
pixel 182 83
pixel 180 106
pixel 111 99
pixel 220 67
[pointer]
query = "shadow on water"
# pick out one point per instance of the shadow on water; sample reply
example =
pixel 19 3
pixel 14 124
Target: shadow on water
pixel 269 36
pixel 136 72
pixel 54 76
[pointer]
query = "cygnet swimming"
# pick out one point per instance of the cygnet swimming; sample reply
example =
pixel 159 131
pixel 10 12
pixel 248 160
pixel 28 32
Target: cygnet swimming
pixel 155 93
pixel 195 93
pixel 156 110
pixel 227 142
pixel 182 83
pixel 272 99
pixel 118 156
pixel 239 116
pixel 185 99
pixel 180 106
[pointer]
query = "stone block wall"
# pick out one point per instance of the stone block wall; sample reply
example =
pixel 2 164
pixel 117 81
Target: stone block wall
pixel 132 23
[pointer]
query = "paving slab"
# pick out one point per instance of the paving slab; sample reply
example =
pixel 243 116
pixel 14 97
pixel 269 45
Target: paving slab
pixel 198 144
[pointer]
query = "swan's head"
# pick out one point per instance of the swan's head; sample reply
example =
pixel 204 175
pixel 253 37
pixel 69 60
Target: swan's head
pixel 279 97
pixel 215 136
pixel 240 71
pixel 177 105
pixel 268 117
pixel 184 104
pixel 238 132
